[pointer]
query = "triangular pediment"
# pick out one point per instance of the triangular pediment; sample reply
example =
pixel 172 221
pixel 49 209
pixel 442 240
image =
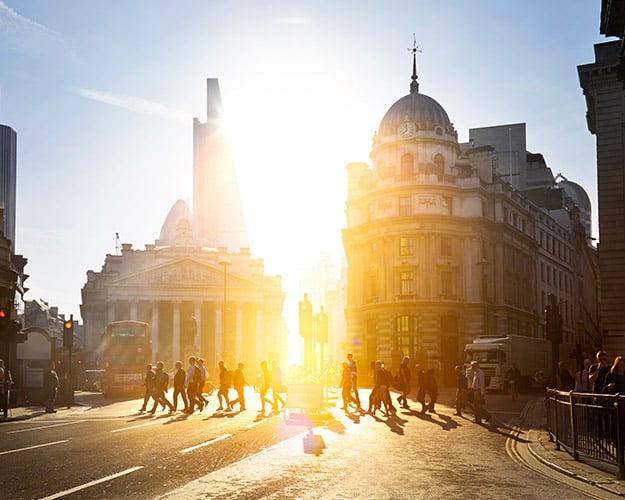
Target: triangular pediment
pixel 183 272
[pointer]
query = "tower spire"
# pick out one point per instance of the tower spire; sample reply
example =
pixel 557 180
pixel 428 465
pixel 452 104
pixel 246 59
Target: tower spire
pixel 414 84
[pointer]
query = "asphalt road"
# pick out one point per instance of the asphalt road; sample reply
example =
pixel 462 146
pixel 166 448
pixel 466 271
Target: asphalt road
pixel 124 453
pixel 112 451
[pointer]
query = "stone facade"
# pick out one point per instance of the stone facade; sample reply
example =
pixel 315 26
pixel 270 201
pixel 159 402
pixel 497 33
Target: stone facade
pixel 603 89
pixel 441 246
pixel 179 290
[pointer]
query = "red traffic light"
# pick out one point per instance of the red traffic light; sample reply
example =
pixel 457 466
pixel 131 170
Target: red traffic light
pixel 3 314
pixel 67 325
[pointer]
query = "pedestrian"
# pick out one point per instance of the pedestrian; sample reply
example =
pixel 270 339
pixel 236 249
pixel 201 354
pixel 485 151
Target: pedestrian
pixel 161 385
pixel 421 378
pixel 277 385
pixel 239 383
pixel 461 389
pixel 375 397
pixel 225 380
pixel 200 390
pixel 194 377
pixel 513 375
pixel 565 381
pixel 615 379
pixel 404 380
pixel 148 382
pixel 346 386
pixel 265 384
pixel 478 388
pixel 50 387
pixel 5 387
pixel 582 382
pixel 385 390
pixel 179 387
pixel 598 371
pixel 431 389
pixel 354 374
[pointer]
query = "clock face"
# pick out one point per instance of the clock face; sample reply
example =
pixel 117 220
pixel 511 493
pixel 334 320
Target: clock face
pixel 406 130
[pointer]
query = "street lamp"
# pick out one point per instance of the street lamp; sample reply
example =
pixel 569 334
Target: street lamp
pixel 483 263
pixel 225 263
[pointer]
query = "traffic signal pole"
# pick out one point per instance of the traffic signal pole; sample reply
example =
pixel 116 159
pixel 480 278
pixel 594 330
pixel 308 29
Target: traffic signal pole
pixel 68 341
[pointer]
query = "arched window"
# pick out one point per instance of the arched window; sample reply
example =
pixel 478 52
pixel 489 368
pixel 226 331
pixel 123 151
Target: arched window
pixel 439 164
pixel 406 168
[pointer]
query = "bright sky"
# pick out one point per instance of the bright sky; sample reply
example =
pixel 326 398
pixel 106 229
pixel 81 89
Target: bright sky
pixel 102 96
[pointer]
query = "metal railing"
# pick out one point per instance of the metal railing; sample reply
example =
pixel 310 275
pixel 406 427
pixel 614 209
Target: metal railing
pixel 588 426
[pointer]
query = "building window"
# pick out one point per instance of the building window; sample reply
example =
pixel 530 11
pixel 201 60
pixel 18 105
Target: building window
pixel 409 346
pixel 406 246
pixel 446 246
pixel 406 282
pixel 439 164
pixel 406 168
pixel 406 324
pixel 405 205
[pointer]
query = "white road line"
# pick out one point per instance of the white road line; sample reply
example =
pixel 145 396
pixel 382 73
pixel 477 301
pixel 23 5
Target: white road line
pixel 46 427
pixel 33 447
pixel 254 424
pixel 135 427
pixel 92 483
pixel 187 450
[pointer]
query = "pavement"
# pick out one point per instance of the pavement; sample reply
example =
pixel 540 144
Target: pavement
pixel 531 425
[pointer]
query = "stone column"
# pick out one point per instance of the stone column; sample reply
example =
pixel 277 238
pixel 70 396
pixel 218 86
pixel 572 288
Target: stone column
pixel 155 333
pixel 218 332
pixel 133 310
pixel 175 350
pixel 238 334
pixel 198 326
pixel 111 312
pixel 258 335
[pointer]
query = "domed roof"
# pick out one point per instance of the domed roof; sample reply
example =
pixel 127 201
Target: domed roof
pixel 415 113
pixel 419 109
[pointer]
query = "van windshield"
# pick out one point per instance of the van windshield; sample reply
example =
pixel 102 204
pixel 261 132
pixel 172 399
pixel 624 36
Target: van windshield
pixel 485 356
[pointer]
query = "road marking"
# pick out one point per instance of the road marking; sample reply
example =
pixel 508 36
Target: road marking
pixel 45 427
pixel 33 447
pixel 254 424
pixel 187 450
pixel 135 427
pixel 93 483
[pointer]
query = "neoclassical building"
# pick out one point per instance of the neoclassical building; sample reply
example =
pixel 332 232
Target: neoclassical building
pixel 197 285
pixel 447 241
pixel 179 289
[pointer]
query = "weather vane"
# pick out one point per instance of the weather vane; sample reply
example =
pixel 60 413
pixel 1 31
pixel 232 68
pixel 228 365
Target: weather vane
pixel 414 85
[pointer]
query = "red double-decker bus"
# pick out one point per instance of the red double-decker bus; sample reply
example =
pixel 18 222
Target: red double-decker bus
pixel 127 351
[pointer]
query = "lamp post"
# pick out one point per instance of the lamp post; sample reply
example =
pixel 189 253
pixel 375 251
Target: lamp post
pixel 225 263
pixel 483 263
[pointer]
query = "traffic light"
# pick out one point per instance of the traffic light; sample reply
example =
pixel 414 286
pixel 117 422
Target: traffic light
pixel 305 317
pixel 5 315
pixel 68 332
pixel 10 329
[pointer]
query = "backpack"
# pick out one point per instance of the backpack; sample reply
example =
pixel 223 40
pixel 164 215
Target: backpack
pixel 197 376
pixel 165 381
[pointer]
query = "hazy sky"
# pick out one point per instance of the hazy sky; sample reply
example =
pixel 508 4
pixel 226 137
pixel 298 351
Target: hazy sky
pixel 102 95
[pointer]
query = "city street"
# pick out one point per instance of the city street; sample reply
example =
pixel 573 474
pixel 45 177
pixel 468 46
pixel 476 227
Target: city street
pixel 107 449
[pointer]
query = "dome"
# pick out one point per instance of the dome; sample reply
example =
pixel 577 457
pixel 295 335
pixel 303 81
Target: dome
pixel 417 108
